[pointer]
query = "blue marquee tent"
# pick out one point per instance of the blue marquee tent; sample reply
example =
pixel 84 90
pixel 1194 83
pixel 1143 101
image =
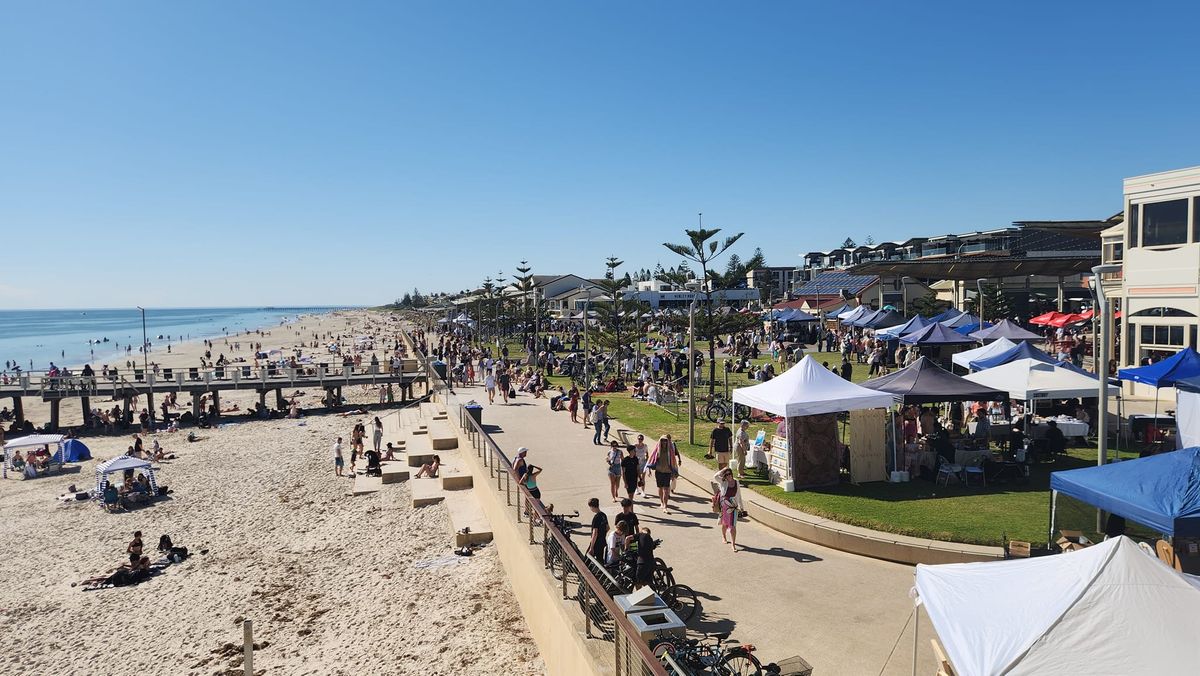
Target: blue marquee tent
pixel 948 313
pixel 1161 491
pixel 865 318
pixel 968 329
pixel 915 323
pixel 1006 328
pixel 936 334
pixel 1021 350
pixel 76 451
pixel 961 319
pixel 792 315
pixel 1182 364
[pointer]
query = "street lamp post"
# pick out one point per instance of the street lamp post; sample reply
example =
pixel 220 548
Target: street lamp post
pixel 979 290
pixel 692 286
pixel 145 357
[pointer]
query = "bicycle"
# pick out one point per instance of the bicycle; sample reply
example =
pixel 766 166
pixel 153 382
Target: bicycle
pixel 680 598
pixel 721 408
pixel 708 655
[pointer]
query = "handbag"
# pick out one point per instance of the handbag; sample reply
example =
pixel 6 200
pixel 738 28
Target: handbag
pixel 716 503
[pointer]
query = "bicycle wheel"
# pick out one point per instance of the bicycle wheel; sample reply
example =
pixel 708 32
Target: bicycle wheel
pixel 740 412
pixel 661 578
pixel 740 663
pixel 714 412
pixel 682 601
pixel 662 647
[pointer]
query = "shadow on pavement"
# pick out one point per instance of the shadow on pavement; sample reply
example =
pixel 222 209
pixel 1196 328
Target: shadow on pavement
pixel 798 557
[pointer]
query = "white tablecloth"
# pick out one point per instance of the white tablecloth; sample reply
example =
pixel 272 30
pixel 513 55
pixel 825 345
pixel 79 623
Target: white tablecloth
pixel 1070 427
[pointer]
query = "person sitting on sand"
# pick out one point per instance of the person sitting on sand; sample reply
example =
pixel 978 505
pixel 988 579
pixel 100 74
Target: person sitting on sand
pixel 430 469
pixel 389 452
pixel 18 461
pixel 135 546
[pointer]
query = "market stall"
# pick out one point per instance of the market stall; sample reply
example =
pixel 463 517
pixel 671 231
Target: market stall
pixel 53 461
pixel 1161 492
pixel 1032 379
pixel 914 323
pixel 1019 351
pixel 1007 329
pixel 995 347
pixel 1107 609
pixel 805 451
pixel 1187 411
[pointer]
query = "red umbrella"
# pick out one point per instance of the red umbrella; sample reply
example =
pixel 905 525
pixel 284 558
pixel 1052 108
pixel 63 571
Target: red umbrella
pixel 1045 319
pixel 1063 320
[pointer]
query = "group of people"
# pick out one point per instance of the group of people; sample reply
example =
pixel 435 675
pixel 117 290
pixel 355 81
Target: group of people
pixel 138 568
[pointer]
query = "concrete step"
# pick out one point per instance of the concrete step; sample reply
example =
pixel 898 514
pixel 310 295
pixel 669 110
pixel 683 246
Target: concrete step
pixel 364 484
pixel 443 437
pixel 395 472
pixel 426 492
pixel 431 411
pixel 421 458
pixel 453 480
pixel 465 512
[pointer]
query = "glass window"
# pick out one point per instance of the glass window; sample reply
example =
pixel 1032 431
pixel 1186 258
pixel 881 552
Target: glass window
pixel 1147 334
pixel 1176 336
pixel 1133 223
pixel 1165 223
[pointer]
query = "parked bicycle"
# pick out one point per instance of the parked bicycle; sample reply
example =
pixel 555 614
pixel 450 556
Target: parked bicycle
pixel 721 408
pixel 709 655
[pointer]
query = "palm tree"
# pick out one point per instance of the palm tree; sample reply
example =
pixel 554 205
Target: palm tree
pixel 699 249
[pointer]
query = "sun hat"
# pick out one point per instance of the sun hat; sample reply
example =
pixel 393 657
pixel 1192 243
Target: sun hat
pixel 522 451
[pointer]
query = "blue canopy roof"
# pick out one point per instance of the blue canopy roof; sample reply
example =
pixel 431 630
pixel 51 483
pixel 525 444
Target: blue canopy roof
pixel 1019 351
pixel 834 313
pixel 960 320
pixel 860 311
pixel 915 323
pixel 936 334
pixel 1183 364
pixel 1006 328
pixel 1072 367
pixel 1161 491
pixel 794 315
pixel 968 329
pixel 948 313
pixel 885 318
pixel 864 319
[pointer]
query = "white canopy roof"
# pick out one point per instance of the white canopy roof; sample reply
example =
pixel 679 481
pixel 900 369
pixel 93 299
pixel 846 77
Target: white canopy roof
pixel 121 463
pixel 1107 609
pixel 1032 379
pixel 34 440
pixel 808 389
pixel 992 349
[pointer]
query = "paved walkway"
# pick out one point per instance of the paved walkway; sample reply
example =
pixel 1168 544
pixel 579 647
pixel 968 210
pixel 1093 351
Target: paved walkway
pixel 839 611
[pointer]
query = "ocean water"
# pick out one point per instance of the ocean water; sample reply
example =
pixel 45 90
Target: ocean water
pixel 62 336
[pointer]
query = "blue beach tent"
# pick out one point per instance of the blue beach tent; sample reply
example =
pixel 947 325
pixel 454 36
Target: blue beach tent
pixel 1021 350
pixel 76 451
pixel 1161 491
pixel 1181 365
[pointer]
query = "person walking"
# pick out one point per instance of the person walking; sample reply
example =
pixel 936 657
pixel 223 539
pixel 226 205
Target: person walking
pixel 629 471
pixel 377 434
pixel 604 417
pixel 643 452
pixel 614 468
pixel 662 461
pixel 727 501
pixel 598 419
pixel 338 461
pixel 587 406
pixel 742 448
pixel 573 403
pixel 719 442
pixel 489 384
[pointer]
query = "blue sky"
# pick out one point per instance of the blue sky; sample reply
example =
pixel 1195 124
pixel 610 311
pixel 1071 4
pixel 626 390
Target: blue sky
pixel 221 153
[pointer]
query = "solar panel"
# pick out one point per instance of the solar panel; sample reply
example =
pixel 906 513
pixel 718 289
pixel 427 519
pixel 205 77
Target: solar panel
pixel 829 283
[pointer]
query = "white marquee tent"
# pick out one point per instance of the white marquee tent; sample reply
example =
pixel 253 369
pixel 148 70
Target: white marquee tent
pixel 992 349
pixel 1028 379
pixel 120 464
pixel 33 441
pixel 1108 609
pixel 809 389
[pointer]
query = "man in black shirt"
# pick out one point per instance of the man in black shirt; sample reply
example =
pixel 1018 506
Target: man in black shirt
pixel 847 368
pixel 599 530
pixel 719 442
pixel 1055 440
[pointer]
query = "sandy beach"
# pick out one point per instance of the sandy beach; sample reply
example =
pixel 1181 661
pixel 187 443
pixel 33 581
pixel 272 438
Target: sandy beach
pixel 334 584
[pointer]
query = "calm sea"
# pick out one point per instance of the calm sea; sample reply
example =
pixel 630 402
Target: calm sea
pixel 63 336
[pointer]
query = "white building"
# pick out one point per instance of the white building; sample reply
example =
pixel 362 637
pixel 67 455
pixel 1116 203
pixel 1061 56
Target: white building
pixel 1158 287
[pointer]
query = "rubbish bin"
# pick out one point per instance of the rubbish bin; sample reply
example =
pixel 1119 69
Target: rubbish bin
pixel 440 367
pixel 474 410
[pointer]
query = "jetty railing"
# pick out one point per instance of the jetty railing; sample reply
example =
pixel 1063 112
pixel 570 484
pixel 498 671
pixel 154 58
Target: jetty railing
pixel 628 655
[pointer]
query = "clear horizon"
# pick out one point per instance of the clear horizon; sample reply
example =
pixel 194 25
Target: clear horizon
pixel 301 154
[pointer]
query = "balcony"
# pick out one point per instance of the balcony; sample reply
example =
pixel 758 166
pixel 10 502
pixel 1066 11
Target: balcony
pixel 937 251
pixel 980 247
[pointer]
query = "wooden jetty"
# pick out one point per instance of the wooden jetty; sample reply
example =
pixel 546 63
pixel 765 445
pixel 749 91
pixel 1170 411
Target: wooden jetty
pixel 124 385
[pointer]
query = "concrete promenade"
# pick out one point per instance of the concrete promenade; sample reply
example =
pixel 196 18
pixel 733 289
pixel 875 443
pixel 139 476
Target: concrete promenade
pixel 841 612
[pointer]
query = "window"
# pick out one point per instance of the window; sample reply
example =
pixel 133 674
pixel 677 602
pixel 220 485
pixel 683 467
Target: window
pixel 1162 312
pixel 1165 223
pixel 1133 211
pixel 1162 335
